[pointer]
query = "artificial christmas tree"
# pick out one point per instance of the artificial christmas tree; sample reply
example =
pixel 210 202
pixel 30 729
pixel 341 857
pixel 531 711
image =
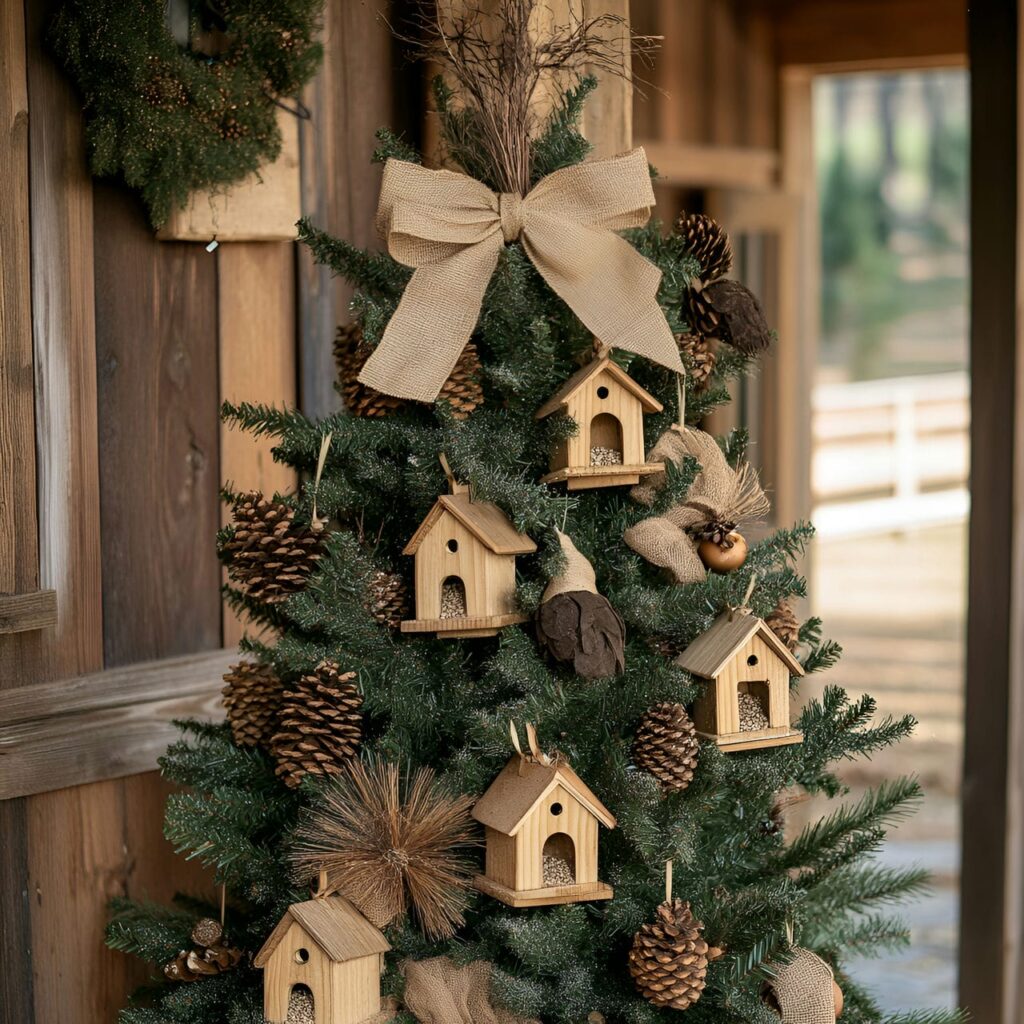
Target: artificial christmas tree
pixel 522 256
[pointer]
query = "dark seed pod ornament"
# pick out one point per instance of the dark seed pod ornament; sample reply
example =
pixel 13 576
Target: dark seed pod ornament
pixel 576 624
pixel 740 319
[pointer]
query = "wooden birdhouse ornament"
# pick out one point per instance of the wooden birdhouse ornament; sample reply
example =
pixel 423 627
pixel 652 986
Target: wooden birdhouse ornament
pixel 541 823
pixel 465 554
pixel 745 704
pixel 608 449
pixel 326 946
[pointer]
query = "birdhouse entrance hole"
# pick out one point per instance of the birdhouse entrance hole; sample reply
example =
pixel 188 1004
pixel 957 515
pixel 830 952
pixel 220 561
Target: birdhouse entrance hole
pixel 453 598
pixel 605 440
pixel 559 860
pixel 752 699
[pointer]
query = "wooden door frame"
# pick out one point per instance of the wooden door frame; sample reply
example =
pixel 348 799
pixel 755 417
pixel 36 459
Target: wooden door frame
pixel 992 868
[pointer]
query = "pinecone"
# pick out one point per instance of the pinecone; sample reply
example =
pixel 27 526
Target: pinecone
pixel 211 957
pixel 707 243
pixel 669 958
pixel 252 698
pixel 350 353
pixel 321 725
pixel 267 553
pixel 666 745
pixel 699 357
pixel 782 621
pixel 388 598
pixel 699 313
pixel 718 533
pixel 462 389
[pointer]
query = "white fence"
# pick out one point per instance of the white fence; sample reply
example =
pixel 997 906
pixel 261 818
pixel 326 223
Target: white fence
pixel 890 454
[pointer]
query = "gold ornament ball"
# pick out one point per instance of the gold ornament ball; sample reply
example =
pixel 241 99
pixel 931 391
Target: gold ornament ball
pixel 837 999
pixel 719 559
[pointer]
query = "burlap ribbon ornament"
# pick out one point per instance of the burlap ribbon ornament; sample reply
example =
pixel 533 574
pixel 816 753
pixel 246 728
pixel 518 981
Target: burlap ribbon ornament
pixel 437 991
pixel 719 494
pixel 803 989
pixel 452 228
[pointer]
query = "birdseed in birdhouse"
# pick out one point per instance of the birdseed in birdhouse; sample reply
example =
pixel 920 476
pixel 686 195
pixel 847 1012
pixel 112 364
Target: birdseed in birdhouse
pixel 300 1008
pixel 453 600
pixel 601 456
pixel 752 713
pixel 557 871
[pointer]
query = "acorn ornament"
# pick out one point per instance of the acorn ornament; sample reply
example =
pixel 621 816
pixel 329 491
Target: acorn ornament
pixel 803 990
pixel 575 624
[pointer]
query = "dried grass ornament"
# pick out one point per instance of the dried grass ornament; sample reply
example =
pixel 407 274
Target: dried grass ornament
pixel 389 844
pixel 438 991
pixel 718 501
pixel 576 624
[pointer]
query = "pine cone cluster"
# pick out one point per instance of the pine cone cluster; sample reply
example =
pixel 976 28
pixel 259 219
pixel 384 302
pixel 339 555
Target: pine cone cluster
pixel 666 745
pixel 252 698
pixel 211 955
pixel 669 958
pixel 707 243
pixel 714 306
pixel 782 621
pixel 388 598
pixel 320 724
pixel 462 390
pixel 268 554
pixel 699 356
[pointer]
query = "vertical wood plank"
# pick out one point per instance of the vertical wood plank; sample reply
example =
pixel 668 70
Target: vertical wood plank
pixel 18 558
pixel 993 787
pixel 353 97
pixel 18 549
pixel 156 327
pixel 257 354
pixel 608 114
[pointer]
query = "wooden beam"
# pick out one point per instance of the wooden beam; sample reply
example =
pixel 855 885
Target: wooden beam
pixel 22 613
pixel 693 166
pixel 992 866
pixel 869 34
pixel 257 359
pixel 104 725
pixel 19 559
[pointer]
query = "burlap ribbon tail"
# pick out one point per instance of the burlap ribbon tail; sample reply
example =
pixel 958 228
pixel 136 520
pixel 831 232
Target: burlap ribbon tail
pixel 452 228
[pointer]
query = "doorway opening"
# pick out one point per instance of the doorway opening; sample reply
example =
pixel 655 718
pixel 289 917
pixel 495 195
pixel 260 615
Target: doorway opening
pixel 605 440
pixel 453 598
pixel 559 858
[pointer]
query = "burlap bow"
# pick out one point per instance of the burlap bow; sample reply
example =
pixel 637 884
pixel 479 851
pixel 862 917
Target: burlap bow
pixel 452 228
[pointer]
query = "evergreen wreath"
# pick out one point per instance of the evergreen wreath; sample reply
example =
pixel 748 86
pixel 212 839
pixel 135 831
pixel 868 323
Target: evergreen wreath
pixel 170 119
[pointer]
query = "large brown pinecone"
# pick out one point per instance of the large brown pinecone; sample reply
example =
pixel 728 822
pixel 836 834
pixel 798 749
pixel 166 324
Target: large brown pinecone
pixel 707 242
pixel 462 390
pixel 666 745
pixel 268 554
pixel 698 356
pixel 782 621
pixel 321 724
pixel 388 598
pixel 252 698
pixel 669 958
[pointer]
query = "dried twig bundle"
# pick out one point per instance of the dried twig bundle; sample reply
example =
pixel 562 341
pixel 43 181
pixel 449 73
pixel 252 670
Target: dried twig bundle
pixel 499 54
pixel 388 844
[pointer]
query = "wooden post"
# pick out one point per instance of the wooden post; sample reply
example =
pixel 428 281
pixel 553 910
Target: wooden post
pixel 992 869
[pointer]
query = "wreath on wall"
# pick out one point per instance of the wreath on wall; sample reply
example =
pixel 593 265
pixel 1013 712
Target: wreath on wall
pixel 183 96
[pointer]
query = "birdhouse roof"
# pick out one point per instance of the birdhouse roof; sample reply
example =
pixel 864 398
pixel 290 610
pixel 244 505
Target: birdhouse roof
pixel 713 649
pixel 334 925
pixel 522 785
pixel 484 520
pixel 564 394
